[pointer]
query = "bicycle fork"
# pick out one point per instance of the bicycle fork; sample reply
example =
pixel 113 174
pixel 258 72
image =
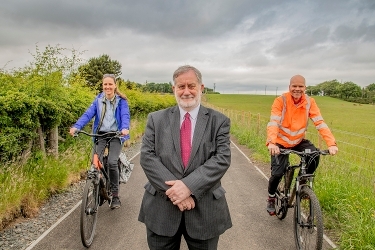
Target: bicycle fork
pixel 93 174
pixel 288 183
pixel 309 224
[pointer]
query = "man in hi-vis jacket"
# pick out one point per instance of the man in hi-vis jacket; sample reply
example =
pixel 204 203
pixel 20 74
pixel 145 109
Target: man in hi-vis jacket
pixel 287 128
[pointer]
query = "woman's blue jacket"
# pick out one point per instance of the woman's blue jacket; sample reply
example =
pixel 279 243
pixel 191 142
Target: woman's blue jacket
pixel 122 114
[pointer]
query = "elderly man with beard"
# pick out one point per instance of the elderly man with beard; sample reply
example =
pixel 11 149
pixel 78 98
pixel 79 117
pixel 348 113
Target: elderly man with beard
pixel 185 153
pixel 290 115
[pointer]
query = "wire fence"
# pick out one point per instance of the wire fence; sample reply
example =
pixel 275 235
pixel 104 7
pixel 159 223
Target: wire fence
pixel 356 157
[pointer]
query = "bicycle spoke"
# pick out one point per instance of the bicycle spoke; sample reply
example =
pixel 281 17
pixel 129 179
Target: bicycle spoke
pixel 308 221
pixel 89 213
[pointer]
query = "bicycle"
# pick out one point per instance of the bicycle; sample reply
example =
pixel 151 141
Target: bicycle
pixel 307 218
pixel 97 189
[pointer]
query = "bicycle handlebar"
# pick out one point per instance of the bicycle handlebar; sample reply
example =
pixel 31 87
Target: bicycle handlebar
pixel 114 134
pixel 285 151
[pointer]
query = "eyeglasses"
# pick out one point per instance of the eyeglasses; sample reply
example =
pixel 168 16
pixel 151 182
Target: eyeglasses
pixel 109 75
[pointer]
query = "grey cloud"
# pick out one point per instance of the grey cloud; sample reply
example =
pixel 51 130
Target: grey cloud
pixel 265 21
pixel 175 19
pixel 348 32
pixel 238 44
pixel 301 41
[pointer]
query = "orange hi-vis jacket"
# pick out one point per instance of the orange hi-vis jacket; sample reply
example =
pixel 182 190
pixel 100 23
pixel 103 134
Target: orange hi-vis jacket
pixel 288 122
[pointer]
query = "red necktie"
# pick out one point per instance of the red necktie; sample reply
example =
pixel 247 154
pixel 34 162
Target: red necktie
pixel 185 138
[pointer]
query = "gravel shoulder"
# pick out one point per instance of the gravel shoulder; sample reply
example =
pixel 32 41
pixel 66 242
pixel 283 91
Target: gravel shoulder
pixel 19 234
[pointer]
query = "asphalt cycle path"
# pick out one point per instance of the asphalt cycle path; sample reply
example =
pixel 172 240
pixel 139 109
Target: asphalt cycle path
pixel 246 192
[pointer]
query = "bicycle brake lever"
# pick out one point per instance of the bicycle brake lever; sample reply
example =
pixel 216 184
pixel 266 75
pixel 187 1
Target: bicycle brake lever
pixel 325 152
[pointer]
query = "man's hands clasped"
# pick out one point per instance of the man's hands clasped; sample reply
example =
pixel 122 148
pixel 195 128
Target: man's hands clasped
pixel 180 195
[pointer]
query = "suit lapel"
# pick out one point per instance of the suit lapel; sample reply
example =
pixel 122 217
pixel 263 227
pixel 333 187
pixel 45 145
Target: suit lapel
pixel 174 119
pixel 200 128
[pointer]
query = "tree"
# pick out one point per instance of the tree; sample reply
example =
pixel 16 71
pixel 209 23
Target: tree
pixel 350 89
pixel 157 87
pixel 371 87
pixel 128 84
pixel 370 92
pixel 329 88
pixel 96 67
pixel 312 90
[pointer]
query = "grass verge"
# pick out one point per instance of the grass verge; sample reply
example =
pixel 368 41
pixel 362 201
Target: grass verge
pixel 344 183
pixel 24 188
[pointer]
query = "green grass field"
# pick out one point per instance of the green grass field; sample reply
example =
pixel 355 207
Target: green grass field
pixel 338 114
pixel 344 183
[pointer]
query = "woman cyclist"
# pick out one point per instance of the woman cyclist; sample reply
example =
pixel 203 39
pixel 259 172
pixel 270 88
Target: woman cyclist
pixel 111 111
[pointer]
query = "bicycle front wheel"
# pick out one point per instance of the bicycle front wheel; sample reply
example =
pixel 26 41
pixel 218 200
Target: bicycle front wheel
pixel 308 221
pixel 89 212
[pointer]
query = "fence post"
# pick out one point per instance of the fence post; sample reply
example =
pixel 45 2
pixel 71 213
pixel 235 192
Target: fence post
pixel 53 141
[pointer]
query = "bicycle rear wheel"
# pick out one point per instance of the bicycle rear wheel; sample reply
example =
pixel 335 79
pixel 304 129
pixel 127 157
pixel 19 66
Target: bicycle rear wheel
pixel 89 212
pixel 308 221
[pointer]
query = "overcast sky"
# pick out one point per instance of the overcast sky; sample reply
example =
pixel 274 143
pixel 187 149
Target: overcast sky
pixel 242 46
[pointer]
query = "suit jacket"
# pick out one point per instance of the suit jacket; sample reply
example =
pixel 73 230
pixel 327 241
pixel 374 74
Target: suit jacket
pixel 209 160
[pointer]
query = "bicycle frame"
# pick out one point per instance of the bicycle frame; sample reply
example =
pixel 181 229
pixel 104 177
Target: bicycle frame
pixel 96 191
pixel 308 180
pixel 308 221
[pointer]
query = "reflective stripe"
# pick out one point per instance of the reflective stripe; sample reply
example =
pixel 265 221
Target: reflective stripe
pixel 294 133
pixel 275 117
pixel 284 109
pixel 323 125
pixel 272 124
pixel 307 109
pixel 318 118
pixel 284 138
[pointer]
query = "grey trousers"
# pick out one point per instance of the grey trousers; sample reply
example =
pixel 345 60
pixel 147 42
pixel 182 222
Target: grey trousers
pixel 159 242
pixel 115 147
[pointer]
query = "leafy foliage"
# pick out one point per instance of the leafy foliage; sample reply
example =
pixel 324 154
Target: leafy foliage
pixel 40 95
pixel 371 87
pixel 96 67
pixel 128 84
pixel 143 103
pixel 158 87
pixel 348 91
pixel 166 88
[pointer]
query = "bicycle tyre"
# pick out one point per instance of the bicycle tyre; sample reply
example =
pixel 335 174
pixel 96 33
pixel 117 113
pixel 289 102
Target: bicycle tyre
pixel 308 233
pixel 89 213
pixel 281 202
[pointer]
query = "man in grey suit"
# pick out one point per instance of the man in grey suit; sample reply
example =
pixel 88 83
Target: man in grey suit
pixel 185 197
